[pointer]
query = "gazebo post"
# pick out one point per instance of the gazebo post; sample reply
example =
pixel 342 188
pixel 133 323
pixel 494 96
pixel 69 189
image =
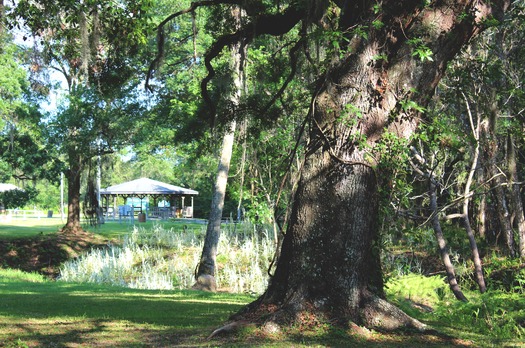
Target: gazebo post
pixel 192 207
pixel 173 205
pixel 183 207
pixel 106 205
pixel 115 198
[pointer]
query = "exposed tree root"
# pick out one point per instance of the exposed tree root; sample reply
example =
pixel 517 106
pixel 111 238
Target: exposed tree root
pixel 230 328
pixel 72 230
pixel 381 315
pixel 374 314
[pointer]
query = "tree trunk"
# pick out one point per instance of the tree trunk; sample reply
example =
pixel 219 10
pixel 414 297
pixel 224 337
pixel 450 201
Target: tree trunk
pixel 442 244
pixel 498 180
pixel 73 195
pixel 503 212
pixel 2 21
pixel 515 194
pixel 205 275
pixel 330 256
pixel 436 225
pixel 482 215
pixel 478 268
pixel 330 261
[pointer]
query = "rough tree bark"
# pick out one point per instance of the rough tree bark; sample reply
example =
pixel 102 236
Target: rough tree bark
pixel 329 261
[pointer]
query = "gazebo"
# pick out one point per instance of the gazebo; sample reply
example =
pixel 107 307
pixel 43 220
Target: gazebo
pixel 159 192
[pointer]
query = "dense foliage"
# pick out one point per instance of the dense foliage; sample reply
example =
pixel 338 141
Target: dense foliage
pixel 12 199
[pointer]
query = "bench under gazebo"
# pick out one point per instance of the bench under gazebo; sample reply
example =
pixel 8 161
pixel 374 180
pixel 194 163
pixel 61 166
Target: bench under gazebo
pixel 165 200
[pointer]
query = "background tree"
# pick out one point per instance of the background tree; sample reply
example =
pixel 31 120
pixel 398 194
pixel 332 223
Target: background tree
pixel 23 156
pixel 90 44
pixel 17 198
pixel 452 148
pixel 488 85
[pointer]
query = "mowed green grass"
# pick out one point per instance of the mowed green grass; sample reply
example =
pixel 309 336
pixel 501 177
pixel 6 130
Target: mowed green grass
pixel 31 227
pixel 28 227
pixel 36 312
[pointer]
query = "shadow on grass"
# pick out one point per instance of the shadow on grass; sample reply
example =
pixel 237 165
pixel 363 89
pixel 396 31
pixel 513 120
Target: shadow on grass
pixel 61 314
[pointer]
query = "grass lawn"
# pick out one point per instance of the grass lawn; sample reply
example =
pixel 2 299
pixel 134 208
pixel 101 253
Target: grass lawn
pixel 38 312
pixel 35 312
pixel 31 227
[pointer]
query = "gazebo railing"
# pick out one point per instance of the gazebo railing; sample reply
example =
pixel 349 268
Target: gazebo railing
pixel 160 212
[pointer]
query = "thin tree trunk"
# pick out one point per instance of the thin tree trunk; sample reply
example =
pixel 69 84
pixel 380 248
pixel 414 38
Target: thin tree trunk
pixel 2 22
pixel 442 243
pixel 498 177
pixel 436 225
pixel 503 212
pixel 482 217
pixel 515 194
pixel 205 275
pixel 478 268
pixel 243 173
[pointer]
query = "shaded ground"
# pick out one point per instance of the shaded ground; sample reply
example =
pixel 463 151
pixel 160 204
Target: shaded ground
pixel 45 253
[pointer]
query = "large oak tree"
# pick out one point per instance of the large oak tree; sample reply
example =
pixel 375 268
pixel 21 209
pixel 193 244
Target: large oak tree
pixel 384 60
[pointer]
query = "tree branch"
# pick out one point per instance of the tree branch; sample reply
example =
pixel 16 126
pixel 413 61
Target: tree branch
pixel 261 24
pixel 251 10
pixel 160 34
pixel 274 25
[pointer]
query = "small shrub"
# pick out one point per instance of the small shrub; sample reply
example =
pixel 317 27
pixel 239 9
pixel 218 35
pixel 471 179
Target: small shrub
pixel 494 314
pixel 505 274
pixel 418 289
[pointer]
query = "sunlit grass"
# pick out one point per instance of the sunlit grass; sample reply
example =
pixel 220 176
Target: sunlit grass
pixel 31 227
pixel 35 312
pixel 26 228
pixel 39 313
pixel 494 318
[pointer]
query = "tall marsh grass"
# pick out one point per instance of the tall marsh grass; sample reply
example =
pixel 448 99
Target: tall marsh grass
pixel 159 258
